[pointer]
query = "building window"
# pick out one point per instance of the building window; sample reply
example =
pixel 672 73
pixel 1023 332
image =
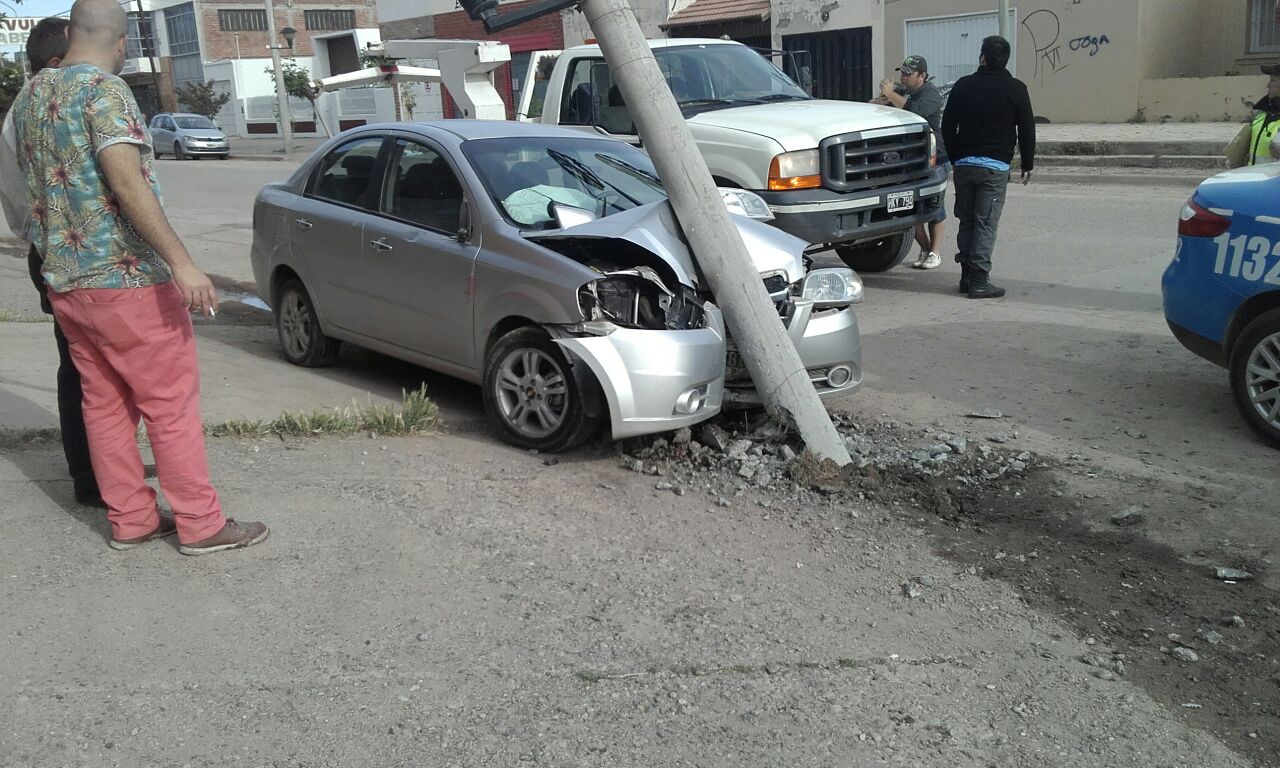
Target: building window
pixel 333 21
pixel 242 20
pixel 180 23
pixel 1264 37
pixel 141 40
pixel 184 43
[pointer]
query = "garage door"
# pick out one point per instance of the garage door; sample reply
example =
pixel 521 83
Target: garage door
pixel 952 43
pixel 226 117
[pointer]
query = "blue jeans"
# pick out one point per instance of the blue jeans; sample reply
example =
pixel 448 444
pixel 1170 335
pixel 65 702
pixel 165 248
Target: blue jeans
pixel 979 201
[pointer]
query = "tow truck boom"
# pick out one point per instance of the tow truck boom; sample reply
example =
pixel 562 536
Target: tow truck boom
pixel 465 68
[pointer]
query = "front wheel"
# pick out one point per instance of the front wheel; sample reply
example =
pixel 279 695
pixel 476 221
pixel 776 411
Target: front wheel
pixel 178 154
pixel 879 255
pixel 301 339
pixel 533 397
pixel 1255 375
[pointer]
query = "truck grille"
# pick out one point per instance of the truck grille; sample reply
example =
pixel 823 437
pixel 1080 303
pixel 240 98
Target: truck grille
pixel 852 163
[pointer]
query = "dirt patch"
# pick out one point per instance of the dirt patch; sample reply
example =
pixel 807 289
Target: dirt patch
pixel 1208 650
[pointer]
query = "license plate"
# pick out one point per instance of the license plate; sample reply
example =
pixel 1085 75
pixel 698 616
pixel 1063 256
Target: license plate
pixel 902 201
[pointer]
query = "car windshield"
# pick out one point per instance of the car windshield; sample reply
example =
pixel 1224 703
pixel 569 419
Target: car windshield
pixel 194 121
pixel 524 176
pixel 724 75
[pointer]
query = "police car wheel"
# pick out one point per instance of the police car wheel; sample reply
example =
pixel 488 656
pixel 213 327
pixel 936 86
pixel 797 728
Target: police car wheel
pixel 1255 375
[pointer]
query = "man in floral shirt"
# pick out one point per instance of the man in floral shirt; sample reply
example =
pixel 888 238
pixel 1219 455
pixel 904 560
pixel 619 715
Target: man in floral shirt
pixel 121 284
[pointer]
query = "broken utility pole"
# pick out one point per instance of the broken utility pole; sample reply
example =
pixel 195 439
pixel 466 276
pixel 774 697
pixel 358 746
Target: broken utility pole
pixel 770 356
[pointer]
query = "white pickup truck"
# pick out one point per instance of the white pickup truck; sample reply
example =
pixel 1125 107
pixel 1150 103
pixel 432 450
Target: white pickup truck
pixel 851 176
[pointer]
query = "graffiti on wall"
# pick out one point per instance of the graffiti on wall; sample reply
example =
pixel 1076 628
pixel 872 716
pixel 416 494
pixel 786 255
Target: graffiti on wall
pixel 1045 30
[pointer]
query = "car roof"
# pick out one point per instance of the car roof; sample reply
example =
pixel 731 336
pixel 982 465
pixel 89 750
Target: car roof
pixel 486 129
pixel 666 42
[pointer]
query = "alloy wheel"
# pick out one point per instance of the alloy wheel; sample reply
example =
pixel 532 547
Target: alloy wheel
pixel 1262 379
pixel 532 392
pixel 295 324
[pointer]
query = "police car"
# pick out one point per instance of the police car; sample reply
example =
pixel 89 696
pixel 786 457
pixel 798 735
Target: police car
pixel 1222 291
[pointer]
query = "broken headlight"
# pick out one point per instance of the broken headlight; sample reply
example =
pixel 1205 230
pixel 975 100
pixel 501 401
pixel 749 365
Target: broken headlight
pixel 637 298
pixel 833 287
pixel 745 203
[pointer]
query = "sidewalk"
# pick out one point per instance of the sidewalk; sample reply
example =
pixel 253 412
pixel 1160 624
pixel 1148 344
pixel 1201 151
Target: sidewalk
pixel 1179 154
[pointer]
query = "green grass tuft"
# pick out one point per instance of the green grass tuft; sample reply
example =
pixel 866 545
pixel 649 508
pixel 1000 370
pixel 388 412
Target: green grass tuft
pixel 416 414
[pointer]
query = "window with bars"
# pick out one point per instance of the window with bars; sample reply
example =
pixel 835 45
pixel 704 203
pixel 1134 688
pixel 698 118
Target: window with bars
pixel 237 20
pixel 333 21
pixel 141 41
pixel 180 23
pixel 1264 35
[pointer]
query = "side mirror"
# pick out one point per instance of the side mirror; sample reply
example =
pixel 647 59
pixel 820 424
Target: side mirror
pixel 569 216
pixel 464 222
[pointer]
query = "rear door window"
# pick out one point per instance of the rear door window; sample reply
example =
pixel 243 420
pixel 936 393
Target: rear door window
pixel 347 174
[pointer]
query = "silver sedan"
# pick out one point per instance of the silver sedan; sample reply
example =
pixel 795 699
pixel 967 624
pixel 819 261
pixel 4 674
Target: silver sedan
pixel 543 264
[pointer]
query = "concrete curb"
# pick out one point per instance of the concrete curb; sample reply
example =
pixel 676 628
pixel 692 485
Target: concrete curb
pixel 1186 180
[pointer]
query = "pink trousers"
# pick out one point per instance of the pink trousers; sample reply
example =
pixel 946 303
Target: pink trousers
pixel 136 353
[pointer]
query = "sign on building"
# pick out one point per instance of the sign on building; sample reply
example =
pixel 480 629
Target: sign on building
pixel 15 31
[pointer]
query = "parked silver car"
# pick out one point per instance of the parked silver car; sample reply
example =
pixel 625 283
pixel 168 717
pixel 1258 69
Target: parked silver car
pixel 185 135
pixel 542 263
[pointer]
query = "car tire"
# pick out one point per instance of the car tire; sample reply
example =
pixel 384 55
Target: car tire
pixel 876 255
pixel 517 368
pixel 178 154
pixel 1255 373
pixel 298 328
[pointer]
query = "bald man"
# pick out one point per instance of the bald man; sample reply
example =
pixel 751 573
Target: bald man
pixel 122 285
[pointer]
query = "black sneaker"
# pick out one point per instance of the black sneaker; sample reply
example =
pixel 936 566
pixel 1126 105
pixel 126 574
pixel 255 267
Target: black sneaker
pixel 985 291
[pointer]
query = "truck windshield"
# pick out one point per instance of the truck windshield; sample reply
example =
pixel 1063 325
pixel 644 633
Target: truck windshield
pixel 524 175
pixel 714 76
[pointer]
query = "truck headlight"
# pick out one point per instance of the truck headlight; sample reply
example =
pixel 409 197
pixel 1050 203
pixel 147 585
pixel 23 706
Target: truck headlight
pixel 833 287
pixel 795 170
pixel 933 149
pixel 745 203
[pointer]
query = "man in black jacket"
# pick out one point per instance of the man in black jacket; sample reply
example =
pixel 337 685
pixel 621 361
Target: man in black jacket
pixel 987 113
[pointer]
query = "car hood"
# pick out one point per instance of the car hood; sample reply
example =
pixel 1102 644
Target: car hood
pixel 205 134
pixel 804 124
pixel 654 228
pixel 1250 191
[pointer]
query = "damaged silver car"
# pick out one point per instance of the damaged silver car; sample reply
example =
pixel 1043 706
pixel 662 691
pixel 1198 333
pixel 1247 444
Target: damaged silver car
pixel 543 264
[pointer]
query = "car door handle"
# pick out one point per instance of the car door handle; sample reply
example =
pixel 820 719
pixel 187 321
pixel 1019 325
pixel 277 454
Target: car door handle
pixel 380 244
pixel 303 223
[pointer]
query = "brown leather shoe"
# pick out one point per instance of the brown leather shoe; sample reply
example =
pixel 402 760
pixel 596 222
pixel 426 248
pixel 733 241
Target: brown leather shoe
pixel 165 528
pixel 232 536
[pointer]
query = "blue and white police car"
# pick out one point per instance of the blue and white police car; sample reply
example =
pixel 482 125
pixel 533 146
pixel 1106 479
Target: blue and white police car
pixel 1222 291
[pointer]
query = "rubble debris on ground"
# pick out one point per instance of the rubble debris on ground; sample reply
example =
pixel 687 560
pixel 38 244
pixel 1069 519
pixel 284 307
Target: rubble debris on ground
pixel 892 464
pixel 1232 574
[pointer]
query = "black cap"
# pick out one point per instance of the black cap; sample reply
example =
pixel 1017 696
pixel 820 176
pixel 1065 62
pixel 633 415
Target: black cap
pixel 913 64
pixel 1271 69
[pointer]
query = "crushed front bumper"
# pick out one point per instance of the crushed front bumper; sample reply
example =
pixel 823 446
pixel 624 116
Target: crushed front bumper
pixel 829 346
pixel 656 381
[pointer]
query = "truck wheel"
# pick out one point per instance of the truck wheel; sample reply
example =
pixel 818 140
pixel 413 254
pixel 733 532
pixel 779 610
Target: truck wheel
pixel 876 255
pixel 1255 375
pixel 533 397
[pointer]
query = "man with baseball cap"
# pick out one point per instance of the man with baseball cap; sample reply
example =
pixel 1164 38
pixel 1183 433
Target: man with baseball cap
pixel 916 93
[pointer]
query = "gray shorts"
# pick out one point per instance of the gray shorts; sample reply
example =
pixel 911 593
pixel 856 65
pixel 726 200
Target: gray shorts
pixel 937 206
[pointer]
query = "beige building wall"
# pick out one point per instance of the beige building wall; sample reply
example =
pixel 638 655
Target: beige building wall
pixel 795 17
pixel 1117 60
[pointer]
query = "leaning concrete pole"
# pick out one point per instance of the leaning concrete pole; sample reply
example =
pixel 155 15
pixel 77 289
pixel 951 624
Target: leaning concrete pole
pixel 767 350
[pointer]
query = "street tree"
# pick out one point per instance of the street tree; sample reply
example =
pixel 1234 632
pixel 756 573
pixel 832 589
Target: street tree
pixel 11 81
pixel 297 83
pixel 202 98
